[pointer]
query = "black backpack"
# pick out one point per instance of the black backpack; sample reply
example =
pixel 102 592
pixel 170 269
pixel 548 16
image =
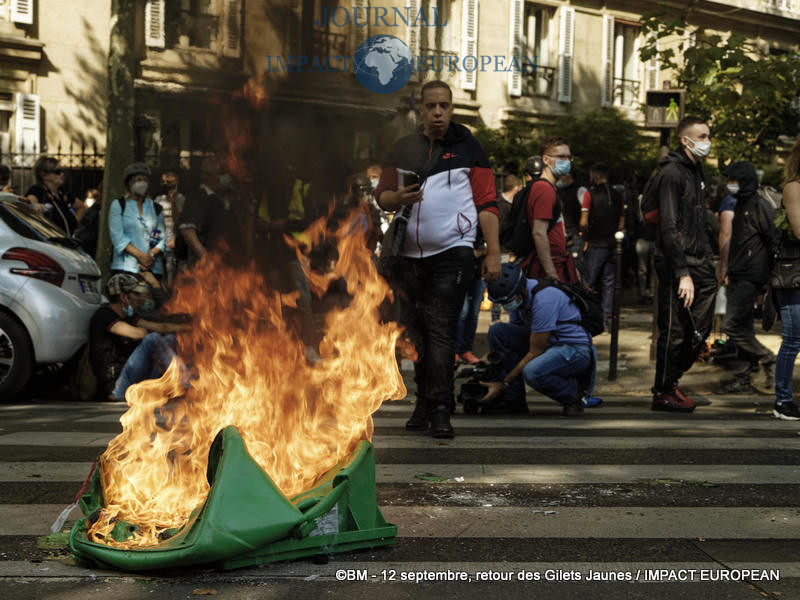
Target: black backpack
pixel 515 233
pixel 587 301
pixel 122 201
pixel 649 205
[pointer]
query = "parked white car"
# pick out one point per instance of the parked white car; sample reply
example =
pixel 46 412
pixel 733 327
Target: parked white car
pixel 49 290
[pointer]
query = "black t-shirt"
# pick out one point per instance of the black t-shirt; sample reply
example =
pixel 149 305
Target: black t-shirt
pixel 107 351
pixel 212 220
pixel 60 212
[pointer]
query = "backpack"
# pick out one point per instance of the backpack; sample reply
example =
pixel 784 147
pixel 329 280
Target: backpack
pixel 515 233
pixel 158 207
pixel 649 205
pixel 587 301
pixel 772 195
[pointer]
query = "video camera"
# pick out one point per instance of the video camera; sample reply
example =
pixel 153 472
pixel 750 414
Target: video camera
pixel 471 391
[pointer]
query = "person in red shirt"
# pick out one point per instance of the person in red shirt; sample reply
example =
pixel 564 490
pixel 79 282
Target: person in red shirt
pixel 549 257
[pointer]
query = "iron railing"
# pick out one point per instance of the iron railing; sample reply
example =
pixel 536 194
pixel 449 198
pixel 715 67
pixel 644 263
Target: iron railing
pixel 538 80
pixel 626 91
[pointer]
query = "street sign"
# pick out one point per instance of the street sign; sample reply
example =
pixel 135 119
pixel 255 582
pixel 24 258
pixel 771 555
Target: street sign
pixel 663 108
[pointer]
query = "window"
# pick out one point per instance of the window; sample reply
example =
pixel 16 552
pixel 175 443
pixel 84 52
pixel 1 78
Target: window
pixel 206 24
pixel 538 81
pixel 621 64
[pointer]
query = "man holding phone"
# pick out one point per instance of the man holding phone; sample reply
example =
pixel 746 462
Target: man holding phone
pixel 443 174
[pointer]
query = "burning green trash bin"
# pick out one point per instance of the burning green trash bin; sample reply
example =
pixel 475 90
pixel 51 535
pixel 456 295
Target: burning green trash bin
pixel 245 520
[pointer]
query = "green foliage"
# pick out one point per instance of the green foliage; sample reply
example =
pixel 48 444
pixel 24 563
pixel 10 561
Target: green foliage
pixel 602 135
pixel 510 145
pixel 750 98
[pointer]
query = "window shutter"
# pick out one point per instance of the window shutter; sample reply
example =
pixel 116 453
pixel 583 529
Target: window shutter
pixel 360 34
pixel 469 44
pixel 516 47
pixel 154 23
pixel 412 33
pixel 232 42
pixel 22 11
pixel 412 37
pixel 27 127
pixel 565 46
pixel 608 61
pixel 652 71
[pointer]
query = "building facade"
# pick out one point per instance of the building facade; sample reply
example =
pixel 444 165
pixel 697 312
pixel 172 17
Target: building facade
pixel 192 55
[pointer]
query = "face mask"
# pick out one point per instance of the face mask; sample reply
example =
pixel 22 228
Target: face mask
pixel 128 310
pixel 733 188
pixel 514 304
pixel 561 167
pixel 225 181
pixel 374 182
pixel 148 305
pixel 560 184
pixel 700 149
pixel 139 188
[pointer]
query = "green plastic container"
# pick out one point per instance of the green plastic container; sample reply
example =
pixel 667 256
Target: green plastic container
pixel 246 520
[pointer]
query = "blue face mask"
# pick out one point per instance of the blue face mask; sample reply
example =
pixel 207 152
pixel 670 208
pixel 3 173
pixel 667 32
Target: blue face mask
pixel 513 304
pixel 128 310
pixel 562 167
pixel 148 305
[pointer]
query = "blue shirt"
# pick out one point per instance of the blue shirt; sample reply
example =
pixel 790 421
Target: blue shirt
pixel 547 311
pixel 728 203
pixel 131 228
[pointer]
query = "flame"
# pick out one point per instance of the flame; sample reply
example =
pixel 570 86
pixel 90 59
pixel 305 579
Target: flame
pixel 297 420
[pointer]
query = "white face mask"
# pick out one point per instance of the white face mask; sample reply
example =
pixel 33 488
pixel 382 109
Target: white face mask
pixel 700 149
pixel 139 188
pixel 733 188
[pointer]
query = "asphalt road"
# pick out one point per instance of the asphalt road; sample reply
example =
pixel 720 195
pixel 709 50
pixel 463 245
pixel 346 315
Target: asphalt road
pixel 622 492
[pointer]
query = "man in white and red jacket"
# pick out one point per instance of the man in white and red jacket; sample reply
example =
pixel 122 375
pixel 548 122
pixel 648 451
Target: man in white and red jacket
pixel 434 266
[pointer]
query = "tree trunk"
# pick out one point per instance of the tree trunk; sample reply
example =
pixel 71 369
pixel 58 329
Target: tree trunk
pixel 119 133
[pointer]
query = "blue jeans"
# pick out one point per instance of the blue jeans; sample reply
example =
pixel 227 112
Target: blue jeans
pixel 149 361
pixel 468 319
pixel 598 267
pixel 788 302
pixel 553 373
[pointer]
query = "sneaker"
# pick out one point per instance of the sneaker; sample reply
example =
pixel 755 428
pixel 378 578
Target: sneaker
pixel 591 401
pixel 737 385
pixel 786 411
pixel 671 402
pixel 676 391
pixel 573 409
pixel 469 358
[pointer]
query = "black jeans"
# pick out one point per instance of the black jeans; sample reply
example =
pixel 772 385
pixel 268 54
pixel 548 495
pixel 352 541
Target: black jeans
pixel 676 347
pixel 429 293
pixel 738 324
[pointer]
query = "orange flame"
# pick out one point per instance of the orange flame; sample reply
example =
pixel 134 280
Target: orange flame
pixel 297 420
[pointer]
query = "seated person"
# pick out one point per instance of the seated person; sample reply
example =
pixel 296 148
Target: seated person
pixel 543 345
pixel 123 347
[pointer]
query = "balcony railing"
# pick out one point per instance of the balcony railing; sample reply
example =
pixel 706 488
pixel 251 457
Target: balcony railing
pixel 327 43
pixel 626 91
pixel 538 80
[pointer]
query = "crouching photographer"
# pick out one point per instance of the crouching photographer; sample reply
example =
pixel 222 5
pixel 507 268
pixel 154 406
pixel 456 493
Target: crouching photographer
pixel 544 344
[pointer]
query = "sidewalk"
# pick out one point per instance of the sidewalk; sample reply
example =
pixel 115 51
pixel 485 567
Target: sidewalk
pixel 634 368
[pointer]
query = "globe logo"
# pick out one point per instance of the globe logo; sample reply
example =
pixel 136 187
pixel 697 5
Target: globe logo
pixel 383 64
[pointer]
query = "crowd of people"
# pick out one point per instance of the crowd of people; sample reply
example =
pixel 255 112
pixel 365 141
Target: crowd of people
pixel 532 246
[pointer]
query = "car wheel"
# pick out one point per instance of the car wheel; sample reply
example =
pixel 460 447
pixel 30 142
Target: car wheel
pixel 16 356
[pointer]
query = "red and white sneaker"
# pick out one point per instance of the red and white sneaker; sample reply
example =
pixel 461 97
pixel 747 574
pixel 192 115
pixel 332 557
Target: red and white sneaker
pixel 674 401
pixel 469 358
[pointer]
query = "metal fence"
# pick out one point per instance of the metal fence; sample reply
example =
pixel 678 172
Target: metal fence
pixel 83 166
